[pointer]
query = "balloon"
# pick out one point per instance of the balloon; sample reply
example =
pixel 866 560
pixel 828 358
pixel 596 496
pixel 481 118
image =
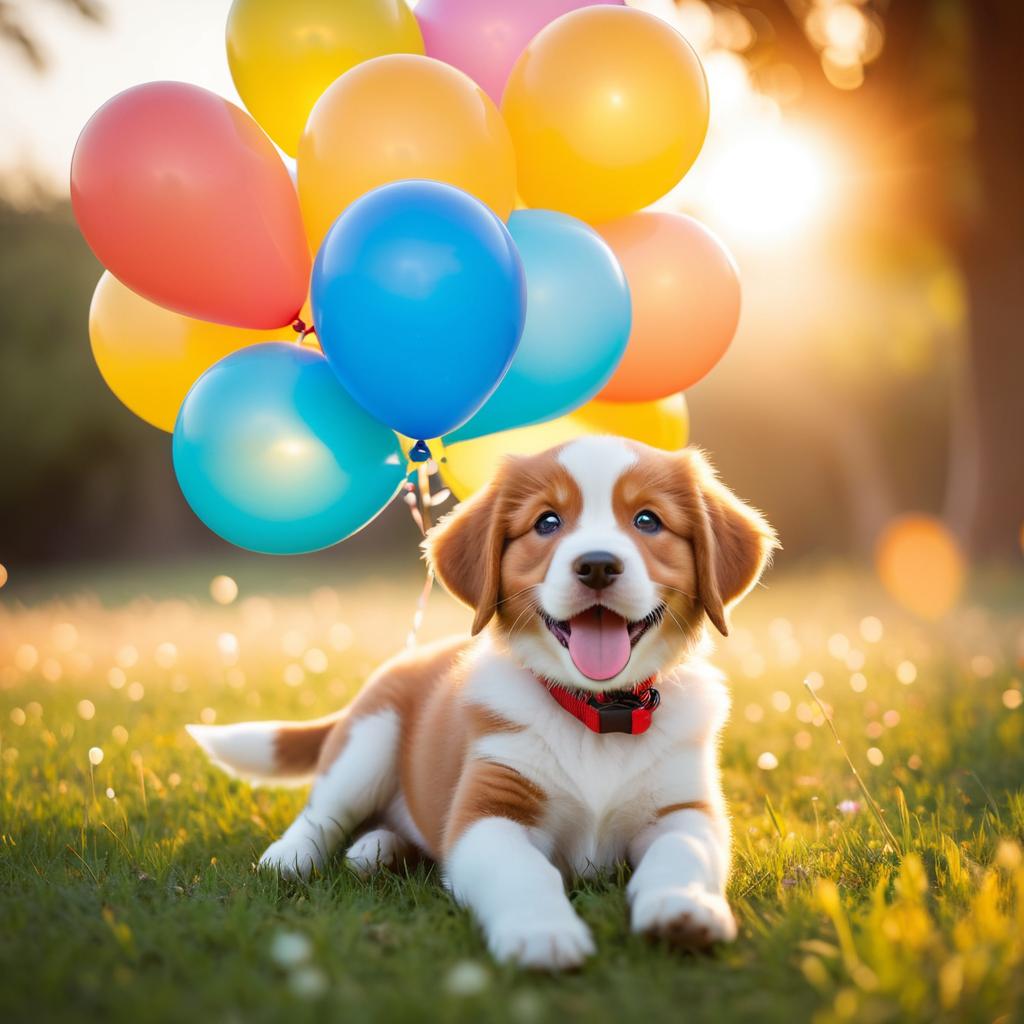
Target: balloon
pixel 150 357
pixel 577 324
pixel 283 55
pixel 419 300
pixel 273 456
pixel 185 200
pixel 402 117
pixel 483 38
pixel 608 108
pixel 686 303
pixel 469 465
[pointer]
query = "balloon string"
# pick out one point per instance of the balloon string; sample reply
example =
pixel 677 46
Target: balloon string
pixel 418 500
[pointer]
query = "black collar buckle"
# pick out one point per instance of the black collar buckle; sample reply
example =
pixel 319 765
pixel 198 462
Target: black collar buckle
pixel 615 710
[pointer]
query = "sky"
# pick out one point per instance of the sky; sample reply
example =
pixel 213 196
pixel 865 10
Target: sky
pixel 141 41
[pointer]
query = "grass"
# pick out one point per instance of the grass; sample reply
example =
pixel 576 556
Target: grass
pixel 127 890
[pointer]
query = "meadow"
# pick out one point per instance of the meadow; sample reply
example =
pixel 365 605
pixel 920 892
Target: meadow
pixel 127 888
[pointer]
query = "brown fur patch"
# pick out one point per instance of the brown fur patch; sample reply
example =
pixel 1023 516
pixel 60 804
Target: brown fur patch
pixel 688 805
pixel 489 790
pixel 297 747
pixel 713 548
pixel 486 552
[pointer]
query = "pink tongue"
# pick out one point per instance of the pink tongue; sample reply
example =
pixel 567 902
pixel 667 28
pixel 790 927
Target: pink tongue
pixel 599 643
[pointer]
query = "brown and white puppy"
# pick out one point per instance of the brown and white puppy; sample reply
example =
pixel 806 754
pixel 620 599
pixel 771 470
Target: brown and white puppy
pixel 591 569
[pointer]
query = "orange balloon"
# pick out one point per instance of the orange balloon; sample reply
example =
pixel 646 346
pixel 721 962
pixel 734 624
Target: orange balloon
pixel 686 303
pixel 396 117
pixel 150 356
pixel 182 197
pixel 608 108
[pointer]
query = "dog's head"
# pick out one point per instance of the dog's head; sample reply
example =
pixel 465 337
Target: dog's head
pixel 599 560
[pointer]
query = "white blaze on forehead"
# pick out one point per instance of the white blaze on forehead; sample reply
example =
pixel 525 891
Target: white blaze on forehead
pixel 596 463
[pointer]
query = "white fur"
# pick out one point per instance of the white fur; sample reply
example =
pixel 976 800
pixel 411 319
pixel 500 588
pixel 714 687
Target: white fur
pixel 245 750
pixel 602 793
pixel 602 790
pixel 376 849
pixel 361 780
pixel 595 463
pixel 517 895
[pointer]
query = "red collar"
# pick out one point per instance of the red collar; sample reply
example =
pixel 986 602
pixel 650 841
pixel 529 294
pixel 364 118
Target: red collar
pixel 628 711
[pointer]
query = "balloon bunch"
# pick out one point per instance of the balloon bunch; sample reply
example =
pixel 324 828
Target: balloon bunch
pixel 304 339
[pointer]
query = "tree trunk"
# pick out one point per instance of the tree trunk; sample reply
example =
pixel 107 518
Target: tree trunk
pixel 987 478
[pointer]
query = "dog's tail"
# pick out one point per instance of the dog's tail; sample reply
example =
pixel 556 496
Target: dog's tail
pixel 282 753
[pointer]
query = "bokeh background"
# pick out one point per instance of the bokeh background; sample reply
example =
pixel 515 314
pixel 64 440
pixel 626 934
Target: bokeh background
pixel 863 165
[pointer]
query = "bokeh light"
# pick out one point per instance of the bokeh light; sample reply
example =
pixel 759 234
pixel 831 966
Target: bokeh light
pixel 920 565
pixel 223 589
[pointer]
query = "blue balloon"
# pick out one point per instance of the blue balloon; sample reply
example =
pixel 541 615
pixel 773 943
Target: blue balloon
pixel 577 324
pixel 419 300
pixel 274 456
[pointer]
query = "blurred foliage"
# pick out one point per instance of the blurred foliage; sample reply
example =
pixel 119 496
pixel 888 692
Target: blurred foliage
pixel 17 32
pixel 76 465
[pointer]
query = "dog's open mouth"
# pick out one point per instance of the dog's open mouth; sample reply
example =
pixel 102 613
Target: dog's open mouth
pixel 599 641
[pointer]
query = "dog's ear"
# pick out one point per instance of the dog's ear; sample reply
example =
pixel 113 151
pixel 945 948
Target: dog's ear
pixel 465 548
pixel 732 542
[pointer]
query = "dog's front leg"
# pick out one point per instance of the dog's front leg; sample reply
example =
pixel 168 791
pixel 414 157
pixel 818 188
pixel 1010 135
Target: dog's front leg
pixel 677 891
pixel 493 866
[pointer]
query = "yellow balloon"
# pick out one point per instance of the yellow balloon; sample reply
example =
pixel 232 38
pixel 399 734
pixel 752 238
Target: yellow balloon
pixel 608 108
pixel 283 55
pixel 150 356
pixel 402 117
pixel 468 465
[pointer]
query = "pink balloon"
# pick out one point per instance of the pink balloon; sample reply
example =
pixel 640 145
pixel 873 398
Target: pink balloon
pixel 484 38
pixel 184 199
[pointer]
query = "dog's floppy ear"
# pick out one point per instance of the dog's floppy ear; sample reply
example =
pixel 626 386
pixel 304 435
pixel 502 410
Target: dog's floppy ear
pixel 732 542
pixel 465 548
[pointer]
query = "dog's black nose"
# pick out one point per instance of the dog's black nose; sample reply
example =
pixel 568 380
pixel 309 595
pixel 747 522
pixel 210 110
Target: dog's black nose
pixel 597 569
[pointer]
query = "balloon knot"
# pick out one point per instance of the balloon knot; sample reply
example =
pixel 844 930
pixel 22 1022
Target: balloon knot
pixel 419 452
pixel 299 326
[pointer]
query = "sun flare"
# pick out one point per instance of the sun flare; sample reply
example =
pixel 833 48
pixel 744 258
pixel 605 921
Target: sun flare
pixel 768 185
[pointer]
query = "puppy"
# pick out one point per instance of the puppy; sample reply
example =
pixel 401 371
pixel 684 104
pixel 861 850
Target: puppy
pixel 576 730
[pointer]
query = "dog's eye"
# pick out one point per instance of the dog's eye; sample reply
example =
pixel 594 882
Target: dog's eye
pixel 647 522
pixel 547 523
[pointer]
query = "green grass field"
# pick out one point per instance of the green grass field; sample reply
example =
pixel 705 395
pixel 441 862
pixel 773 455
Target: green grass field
pixel 127 889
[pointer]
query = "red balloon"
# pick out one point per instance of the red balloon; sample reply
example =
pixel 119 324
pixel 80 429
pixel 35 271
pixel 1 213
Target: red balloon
pixel 184 199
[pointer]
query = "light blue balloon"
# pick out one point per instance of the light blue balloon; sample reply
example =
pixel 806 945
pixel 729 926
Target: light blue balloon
pixel 578 320
pixel 418 300
pixel 274 456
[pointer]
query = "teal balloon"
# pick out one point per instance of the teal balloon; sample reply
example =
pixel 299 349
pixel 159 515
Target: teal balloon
pixel 578 318
pixel 274 455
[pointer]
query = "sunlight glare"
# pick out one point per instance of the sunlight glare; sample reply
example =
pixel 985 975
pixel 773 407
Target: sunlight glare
pixel 768 184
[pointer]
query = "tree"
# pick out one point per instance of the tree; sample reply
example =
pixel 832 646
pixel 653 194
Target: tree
pixel 938 54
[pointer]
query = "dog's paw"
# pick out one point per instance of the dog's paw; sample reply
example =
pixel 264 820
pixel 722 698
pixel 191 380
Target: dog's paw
pixel 380 848
pixel 541 944
pixel 689 918
pixel 292 857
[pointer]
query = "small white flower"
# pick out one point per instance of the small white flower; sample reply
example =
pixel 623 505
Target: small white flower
pixel 308 982
pixel 848 807
pixel 290 949
pixel 467 978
